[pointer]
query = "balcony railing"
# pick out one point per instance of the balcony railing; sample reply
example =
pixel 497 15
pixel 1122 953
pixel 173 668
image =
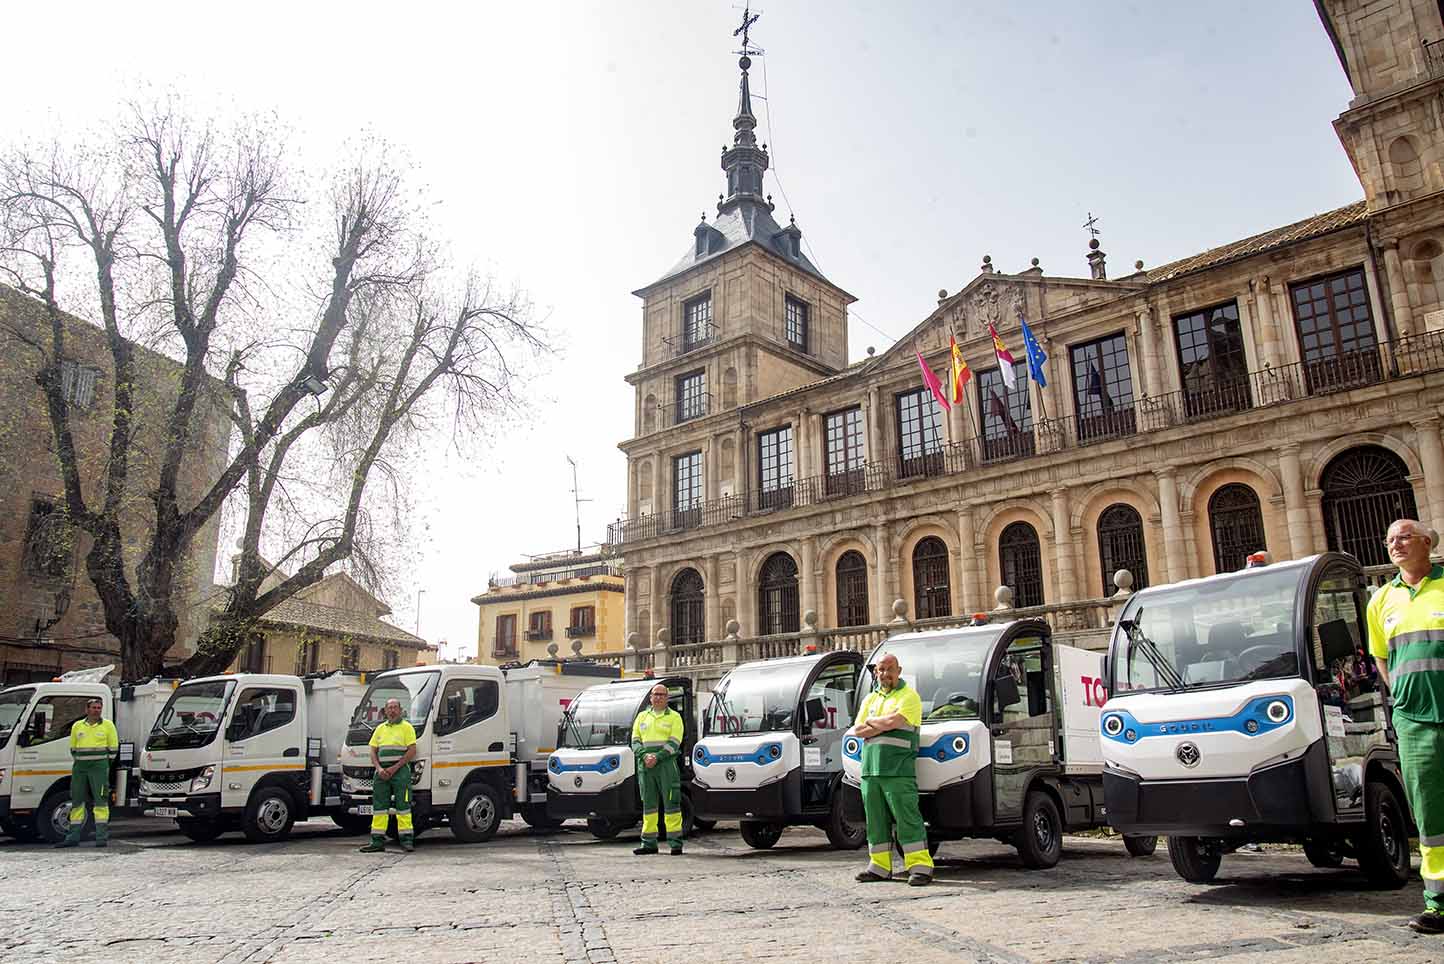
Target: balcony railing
pixel 501 650
pixel 1202 400
pixel 689 339
pixel 699 406
pixel 538 635
pixel 545 576
pixel 581 632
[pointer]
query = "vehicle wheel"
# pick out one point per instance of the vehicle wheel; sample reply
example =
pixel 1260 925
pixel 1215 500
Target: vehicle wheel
pixel 51 821
pixel 352 823
pixel 21 830
pixel 602 828
pixel 1139 846
pixel 1040 839
pixel 1195 859
pixel 1383 844
pixel 840 833
pixel 761 835
pixel 537 818
pixel 200 830
pixel 1324 852
pixel 703 826
pixel 477 813
pixel 269 816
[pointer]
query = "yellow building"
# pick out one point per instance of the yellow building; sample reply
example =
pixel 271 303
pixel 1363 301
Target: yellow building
pixel 569 603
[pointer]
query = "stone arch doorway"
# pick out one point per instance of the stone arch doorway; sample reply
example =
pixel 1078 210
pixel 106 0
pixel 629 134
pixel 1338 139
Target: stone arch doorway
pixel 1020 561
pixel 1121 545
pixel 689 606
pixel 1235 520
pixel 1364 490
pixel 777 596
pixel 932 594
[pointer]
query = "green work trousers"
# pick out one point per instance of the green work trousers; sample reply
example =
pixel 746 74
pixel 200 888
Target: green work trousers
pixel 661 788
pixel 89 786
pixel 388 795
pixel 1421 757
pixel 891 805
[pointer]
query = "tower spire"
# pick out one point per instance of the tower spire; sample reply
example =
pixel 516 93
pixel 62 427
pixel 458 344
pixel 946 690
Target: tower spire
pixel 744 162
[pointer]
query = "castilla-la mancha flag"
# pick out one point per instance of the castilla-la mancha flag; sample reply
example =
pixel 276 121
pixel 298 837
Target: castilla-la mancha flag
pixel 1005 359
pixel 931 380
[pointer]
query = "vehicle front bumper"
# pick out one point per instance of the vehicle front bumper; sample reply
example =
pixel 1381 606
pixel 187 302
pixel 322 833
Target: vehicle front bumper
pixel 777 801
pixel 199 806
pixel 616 804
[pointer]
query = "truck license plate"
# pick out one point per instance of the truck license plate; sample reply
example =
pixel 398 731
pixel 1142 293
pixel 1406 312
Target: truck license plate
pixel 364 810
pixel 165 811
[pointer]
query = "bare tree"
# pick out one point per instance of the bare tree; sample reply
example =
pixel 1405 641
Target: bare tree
pixel 329 368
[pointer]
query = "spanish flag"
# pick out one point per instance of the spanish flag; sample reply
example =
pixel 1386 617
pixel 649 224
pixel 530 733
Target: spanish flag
pixel 961 372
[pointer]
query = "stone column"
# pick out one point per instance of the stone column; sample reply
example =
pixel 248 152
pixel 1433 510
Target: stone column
pixel 802 449
pixel 1175 542
pixel 807 579
pixel 1431 453
pixel 746 617
pixel 1296 510
pixel 874 425
pixel 661 486
pixel 1398 290
pixel 956 431
pixel 1063 549
pixel 655 615
pixel 712 468
pixel 882 607
pixel 712 615
pixel 1147 359
pixel 969 565
pixel 1268 328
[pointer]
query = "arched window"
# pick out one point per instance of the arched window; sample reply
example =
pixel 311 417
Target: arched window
pixel 852 589
pixel 1120 546
pixel 1020 560
pixel 689 605
pixel 1237 524
pixel 930 578
pixel 1365 490
pixel 777 596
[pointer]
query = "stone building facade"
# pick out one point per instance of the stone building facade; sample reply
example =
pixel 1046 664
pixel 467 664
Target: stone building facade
pixel 1281 392
pixel 562 603
pixel 51 619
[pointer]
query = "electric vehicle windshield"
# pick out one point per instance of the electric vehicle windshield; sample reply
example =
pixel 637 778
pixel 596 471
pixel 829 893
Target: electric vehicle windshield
pixel 757 699
pixel 1209 632
pixel 414 690
pixel 603 715
pixel 12 707
pixel 946 671
pixel 192 716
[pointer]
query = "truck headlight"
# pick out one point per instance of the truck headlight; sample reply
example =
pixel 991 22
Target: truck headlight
pixel 417 769
pixel 203 779
pixel 1112 725
pixel 1277 711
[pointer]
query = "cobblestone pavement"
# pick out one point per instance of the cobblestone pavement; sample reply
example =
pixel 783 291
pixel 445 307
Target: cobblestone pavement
pixel 565 898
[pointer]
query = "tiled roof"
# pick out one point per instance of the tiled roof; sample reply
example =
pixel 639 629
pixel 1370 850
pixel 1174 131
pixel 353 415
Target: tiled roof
pixel 1278 237
pixel 330 619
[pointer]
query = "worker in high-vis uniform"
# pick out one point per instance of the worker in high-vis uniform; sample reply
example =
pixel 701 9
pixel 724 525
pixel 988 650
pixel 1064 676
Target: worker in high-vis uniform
pixel 93 742
pixel 657 743
pixel 888 724
pixel 1406 639
pixel 393 747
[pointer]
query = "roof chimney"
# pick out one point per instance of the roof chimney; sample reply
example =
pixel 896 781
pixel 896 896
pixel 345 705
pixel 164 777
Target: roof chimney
pixel 1096 265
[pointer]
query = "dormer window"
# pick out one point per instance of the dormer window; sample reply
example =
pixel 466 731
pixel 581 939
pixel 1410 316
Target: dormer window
pixel 795 321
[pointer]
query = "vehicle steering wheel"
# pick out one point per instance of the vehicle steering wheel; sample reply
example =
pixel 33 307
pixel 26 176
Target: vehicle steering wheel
pixel 1255 656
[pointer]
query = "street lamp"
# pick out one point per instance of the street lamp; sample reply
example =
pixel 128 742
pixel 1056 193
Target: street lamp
pixel 314 384
pixel 419 594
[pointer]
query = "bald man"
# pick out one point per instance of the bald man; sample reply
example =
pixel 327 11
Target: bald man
pixel 393 747
pixel 889 723
pixel 1406 639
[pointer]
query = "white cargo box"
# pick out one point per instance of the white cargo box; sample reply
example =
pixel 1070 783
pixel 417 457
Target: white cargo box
pixel 137 706
pixel 331 700
pixel 538 693
pixel 1078 675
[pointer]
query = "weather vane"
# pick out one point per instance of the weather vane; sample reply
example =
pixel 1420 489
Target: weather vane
pixel 748 19
pixel 1090 224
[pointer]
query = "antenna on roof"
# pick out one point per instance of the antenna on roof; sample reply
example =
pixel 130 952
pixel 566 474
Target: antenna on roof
pixel 577 500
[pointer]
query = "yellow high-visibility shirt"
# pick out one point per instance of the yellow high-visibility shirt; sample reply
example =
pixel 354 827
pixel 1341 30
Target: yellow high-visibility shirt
pixel 391 740
pixel 93 741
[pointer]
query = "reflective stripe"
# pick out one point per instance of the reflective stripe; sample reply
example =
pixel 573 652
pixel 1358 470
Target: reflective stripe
pixel 922 870
pixel 879 848
pixel 1415 636
pixel 1435 840
pixel 890 741
pixel 877 871
pixel 913 848
pixel 1418 665
pixel 654 744
pixel 1433 886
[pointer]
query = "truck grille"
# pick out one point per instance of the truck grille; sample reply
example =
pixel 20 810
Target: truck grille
pixel 166 783
pixel 357 779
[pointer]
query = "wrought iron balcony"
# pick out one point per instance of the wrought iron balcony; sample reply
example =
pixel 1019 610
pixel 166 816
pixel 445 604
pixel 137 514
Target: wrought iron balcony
pixel 690 338
pixel 538 635
pixel 581 632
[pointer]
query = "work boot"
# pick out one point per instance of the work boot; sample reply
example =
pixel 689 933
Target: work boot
pixel 101 844
pixel 868 877
pixel 676 849
pixel 919 880
pixel 67 842
pixel 376 846
pixel 408 844
pixel 1429 922
pixel 644 849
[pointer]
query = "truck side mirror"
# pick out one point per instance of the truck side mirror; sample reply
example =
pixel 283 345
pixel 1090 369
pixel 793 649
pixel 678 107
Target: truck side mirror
pixel 816 711
pixel 1007 689
pixel 1108 670
pixel 1336 640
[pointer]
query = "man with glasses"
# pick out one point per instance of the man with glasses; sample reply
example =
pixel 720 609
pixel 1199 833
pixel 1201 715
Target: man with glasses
pixel 657 741
pixel 1406 639
pixel 889 722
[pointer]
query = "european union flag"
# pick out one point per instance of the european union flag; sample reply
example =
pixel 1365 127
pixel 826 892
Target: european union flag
pixel 1036 357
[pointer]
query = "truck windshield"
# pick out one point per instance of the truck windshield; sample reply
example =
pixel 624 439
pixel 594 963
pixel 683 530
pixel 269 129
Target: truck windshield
pixel 414 690
pixel 603 716
pixel 192 716
pixel 12 707
pixel 1209 632
pixel 757 699
pixel 947 671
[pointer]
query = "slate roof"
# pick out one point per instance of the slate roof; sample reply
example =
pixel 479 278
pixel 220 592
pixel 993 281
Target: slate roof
pixel 1319 224
pixel 742 223
pixel 341 622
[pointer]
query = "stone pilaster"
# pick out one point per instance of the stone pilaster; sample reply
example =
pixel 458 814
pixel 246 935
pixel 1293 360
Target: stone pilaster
pixel 1296 509
pixel 1063 555
pixel 973 596
pixel 1431 453
pixel 1398 290
pixel 1175 540
pixel 882 607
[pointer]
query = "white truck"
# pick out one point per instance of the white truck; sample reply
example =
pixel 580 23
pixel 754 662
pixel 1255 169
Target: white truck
pixel 1009 742
pixel 1226 726
pixel 35 722
pixel 249 751
pixel 771 750
pixel 482 738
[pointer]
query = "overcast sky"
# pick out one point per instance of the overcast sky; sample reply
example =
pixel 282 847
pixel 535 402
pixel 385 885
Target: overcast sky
pixel 573 146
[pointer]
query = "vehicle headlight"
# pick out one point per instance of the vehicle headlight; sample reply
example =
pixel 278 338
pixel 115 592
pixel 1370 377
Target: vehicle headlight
pixel 203 779
pixel 417 769
pixel 1113 725
pixel 1277 711
pixel 960 744
pixel 554 765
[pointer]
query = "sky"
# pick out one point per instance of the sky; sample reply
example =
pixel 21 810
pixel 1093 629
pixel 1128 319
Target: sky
pixel 571 147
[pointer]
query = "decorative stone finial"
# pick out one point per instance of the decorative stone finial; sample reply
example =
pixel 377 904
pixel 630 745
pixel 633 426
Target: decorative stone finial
pixel 1035 262
pixel 1138 265
pixel 632 640
pixel 733 628
pixel 664 636
pixel 809 619
pixel 552 649
pixel 1092 244
pixel 942 294
pixel 900 608
pixel 871 351
pixel 1123 579
pixel 1003 595
pixel 577 647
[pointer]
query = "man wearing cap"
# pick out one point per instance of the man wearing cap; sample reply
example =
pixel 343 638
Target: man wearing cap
pixel 889 723
pixel 657 735
pixel 1406 639
pixel 93 741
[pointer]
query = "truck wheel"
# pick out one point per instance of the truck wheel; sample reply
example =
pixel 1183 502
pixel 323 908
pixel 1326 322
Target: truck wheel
pixel 1383 844
pixel 1040 839
pixel 1323 852
pixel 352 823
pixel 840 833
pixel 477 813
pixel 1139 846
pixel 602 828
pixel 761 835
pixel 269 816
pixel 51 821
pixel 1195 859
pixel 537 818
pixel 200 830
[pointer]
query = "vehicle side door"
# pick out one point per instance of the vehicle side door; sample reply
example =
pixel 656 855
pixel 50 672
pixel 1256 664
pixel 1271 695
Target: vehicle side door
pixel 1020 707
pixel 264 736
pixel 835 689
pixel 469 732
pixel 1336 656
pixel 42 751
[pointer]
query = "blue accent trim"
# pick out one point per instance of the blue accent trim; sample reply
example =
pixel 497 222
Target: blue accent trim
pixel 1252 720
pixel 942 749
pixel 605 765
pixel 852 748
pixel 763 755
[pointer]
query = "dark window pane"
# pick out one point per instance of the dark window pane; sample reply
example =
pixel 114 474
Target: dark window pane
pixel 852 589
pixel 1212 361
pixel 919 432
pixel 1007 414
pixel 796 322
pixel 777 596
pixel 696 322
pixel 931 591
pixel 1364 490
pixel 689 604
pixel 774 468
pixel 687 489
pixel 1103 389
pixel 1336 332
pixel 844 451
pixel 1020 559
pixel 1237 525
pixel 1121 546
pixel 691 396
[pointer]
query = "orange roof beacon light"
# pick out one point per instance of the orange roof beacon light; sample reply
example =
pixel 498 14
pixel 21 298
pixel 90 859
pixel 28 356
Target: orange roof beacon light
pixel 979 619
pixel 810 649
pixel 649 674
pixel 1256 559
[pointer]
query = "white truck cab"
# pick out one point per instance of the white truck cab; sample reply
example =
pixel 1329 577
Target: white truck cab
pixel 1226 724
pixel 771 750
pixel 482 738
